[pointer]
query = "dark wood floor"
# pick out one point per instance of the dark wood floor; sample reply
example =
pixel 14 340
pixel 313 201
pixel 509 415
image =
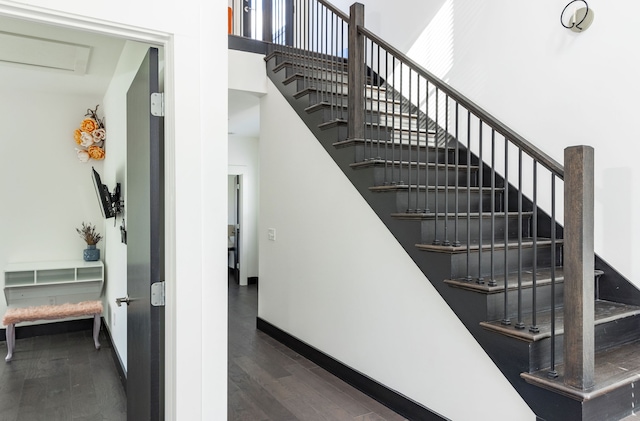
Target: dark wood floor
pixel 268 381
pixel 61 377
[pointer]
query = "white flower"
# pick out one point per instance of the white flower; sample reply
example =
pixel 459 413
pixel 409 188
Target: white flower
pixel 83 155
pixel 98 135
pixel 86 139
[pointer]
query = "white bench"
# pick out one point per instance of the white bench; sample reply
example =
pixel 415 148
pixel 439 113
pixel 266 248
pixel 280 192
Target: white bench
pixel 50 312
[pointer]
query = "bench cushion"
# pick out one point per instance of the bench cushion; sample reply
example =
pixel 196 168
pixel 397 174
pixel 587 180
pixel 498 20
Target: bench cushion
pixel 51 312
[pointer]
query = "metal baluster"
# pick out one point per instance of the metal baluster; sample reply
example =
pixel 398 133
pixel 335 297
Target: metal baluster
pixel 492 277
pixel 534 233
pixel 468 277
pixel 386 113
pixel 436 241
pixel 520 323
pixel 400 165
pixel 409 164
pixel 377 86
pixel 446 241
pixel 418 165
pixel 506 320
pixel 480 198
pixel 552 372
pixel 394 180
pixel 456 241
pixel 426 149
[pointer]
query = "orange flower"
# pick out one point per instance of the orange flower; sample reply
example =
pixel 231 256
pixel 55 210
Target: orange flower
pixel 77 135
pixel 88 125
pixel 96 152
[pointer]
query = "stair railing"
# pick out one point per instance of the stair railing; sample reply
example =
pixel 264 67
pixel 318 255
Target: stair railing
pixel 434 143
pixel 493 224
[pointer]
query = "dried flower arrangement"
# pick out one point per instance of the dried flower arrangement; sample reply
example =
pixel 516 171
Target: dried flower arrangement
pixel 88 234
pixel 90 137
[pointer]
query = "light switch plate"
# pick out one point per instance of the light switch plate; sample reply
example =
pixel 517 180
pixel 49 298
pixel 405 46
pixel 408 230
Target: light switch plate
pixel 271 234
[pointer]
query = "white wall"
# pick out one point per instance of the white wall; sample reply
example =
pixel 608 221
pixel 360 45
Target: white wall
pixel 555 87
pixel 115 166
pixel 243 160
pixel 196 177
pixel 319 283
pixel 46 192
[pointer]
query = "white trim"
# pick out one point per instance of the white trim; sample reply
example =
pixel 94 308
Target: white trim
pixel 166 40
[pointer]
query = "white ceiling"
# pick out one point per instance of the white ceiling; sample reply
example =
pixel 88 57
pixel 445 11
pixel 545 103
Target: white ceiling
pixel 103 55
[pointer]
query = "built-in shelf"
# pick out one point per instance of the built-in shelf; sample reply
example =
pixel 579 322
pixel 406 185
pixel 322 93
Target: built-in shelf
pixel 37 283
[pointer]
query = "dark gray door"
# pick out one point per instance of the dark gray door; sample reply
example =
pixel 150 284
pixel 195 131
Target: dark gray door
pixel 145 246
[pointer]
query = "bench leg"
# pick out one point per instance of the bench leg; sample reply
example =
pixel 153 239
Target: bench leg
pixel 96 330
pixel 11 341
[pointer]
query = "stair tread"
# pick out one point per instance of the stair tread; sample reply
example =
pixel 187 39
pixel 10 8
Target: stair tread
pixel 614 368
pixel 404 187
pixel 543 277
pixel 604 312
pixel 378 162
pixel 420 216
pixel 353 142
pixel 486 246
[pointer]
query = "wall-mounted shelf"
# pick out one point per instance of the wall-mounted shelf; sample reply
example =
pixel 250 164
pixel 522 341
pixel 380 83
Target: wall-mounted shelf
pixel 38 283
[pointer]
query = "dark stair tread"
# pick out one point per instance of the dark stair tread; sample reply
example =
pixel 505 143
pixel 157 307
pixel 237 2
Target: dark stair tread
pixel 378 162
pixel 614 368
pixel 367 142
pixel 604 312
pixel 370 88
pixel 543 277
pixel 396 130
pixel 421 216
pixel 304 56
pixel 474 246
pixel 404 187
pixel 399 116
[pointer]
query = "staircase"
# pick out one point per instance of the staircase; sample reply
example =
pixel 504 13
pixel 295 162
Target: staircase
pixel 476 231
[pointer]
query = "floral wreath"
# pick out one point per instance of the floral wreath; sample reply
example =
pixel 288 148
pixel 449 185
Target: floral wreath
pixel 90 137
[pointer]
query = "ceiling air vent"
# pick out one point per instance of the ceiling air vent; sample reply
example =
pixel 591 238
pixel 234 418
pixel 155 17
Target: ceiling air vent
pixel 43 53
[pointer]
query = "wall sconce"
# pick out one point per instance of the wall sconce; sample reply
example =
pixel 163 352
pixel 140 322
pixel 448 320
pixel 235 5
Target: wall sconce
pixel 581 18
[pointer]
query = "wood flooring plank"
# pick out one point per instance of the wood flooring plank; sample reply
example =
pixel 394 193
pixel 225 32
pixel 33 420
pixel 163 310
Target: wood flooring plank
pixel 343 400
pixel 314 399
pixel 263 378
pixel 257 395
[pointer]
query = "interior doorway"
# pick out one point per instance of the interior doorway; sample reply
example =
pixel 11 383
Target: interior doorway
pixel 234 242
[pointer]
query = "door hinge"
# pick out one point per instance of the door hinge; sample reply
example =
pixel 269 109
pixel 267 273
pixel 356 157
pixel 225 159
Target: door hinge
pixel 157 294
pixel 157 104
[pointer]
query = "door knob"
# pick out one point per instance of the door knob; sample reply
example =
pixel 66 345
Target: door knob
pixel 125 300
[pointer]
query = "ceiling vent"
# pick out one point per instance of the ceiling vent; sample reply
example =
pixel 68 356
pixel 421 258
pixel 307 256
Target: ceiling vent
pixel 43 53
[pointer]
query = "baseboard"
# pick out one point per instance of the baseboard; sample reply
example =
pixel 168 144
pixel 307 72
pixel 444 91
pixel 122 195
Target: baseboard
pixel 252 280
pixel 116 359
pixel 389 398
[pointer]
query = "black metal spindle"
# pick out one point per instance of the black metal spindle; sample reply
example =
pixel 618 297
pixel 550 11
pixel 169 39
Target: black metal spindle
pixel 386 113
pixel 520 323
pixel 436 240
pixel 446 241
pixel 506 320
pixel 534 233
pixel 468 277
pixel 492 276
pixel 426 149
pixel 377 88
pixel 456 241
pixel 418 161
pixel 480 199
pixel 552 372
pixel 409 131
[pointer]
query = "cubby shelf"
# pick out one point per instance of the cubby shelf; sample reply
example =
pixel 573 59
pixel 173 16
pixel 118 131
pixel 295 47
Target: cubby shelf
pixel 37 283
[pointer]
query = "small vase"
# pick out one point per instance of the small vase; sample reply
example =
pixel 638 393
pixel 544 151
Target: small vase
pixel 91 253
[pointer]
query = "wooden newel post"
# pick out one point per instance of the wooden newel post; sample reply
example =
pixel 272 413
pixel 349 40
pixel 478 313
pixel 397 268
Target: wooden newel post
pixel 356 73
pixel 579 264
